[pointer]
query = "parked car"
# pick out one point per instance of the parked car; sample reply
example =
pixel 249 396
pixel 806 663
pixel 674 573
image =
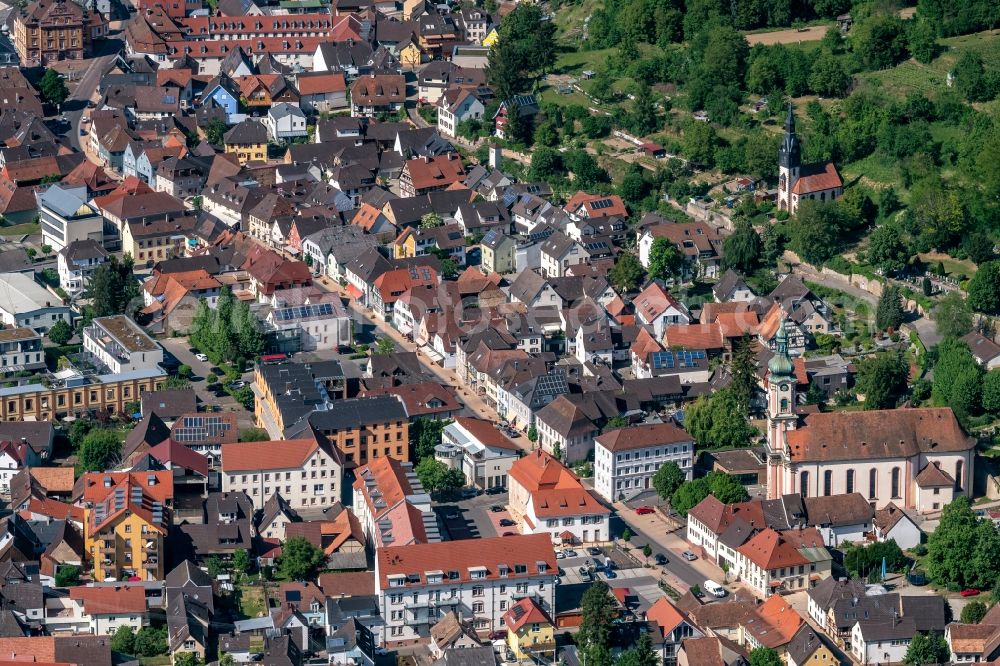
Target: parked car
pixel 645 510
pixel 971 592
pixel 238 384
pixel 201 357
pixel 584 571
pixel 469 493
pixel 715 589
pixel 570 552
pixel 507 522
pixel 585 575
pixel 495 490
pixel 689 556
pixel 452 515
pixel 560 555
pixel 496 508
pixel 610 573
pixel 593 551
pixel 660 559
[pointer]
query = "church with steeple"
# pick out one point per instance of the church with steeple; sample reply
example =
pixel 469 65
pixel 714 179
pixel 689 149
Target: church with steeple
pixel 917 458
pixel 798 182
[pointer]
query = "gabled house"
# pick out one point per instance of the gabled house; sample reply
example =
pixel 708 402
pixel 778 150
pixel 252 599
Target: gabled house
pixel 656 307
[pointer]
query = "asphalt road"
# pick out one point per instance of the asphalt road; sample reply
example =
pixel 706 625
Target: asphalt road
pixel 85 88
pixel 652 530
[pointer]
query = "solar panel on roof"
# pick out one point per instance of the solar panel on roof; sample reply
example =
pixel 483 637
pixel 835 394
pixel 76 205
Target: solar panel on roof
pixel 601 204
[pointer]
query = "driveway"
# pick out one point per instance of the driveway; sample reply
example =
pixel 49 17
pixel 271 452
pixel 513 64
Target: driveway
pixel 472 519
pixel 181 349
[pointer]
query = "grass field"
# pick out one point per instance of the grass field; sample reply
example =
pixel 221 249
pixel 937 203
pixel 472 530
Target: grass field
pixel 26 228
pixel 251 601
pixel 912 76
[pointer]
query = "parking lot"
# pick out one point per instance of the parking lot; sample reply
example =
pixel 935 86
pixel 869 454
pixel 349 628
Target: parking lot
pixel 471 518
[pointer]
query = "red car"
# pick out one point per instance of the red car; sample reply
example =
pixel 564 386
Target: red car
pixel 971 592
pixel 645 510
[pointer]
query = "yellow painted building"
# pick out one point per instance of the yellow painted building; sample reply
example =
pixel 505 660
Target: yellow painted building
pixel 76 395
pixel 530 633
pixel 248 141
pixel 410 55
pixel 126 519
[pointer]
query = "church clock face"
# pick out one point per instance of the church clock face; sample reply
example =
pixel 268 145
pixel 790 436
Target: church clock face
pixel 784 388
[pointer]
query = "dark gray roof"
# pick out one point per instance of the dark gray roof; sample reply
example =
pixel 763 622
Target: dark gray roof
pixel 248 131
pixel 39 435
pixel 169 403
pixel 186 574
pixel 803 645
pixel 351 413
pixel 470 656
pixel 79 250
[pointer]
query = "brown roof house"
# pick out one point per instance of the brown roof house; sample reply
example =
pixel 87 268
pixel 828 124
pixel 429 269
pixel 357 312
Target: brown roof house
pixel 377 94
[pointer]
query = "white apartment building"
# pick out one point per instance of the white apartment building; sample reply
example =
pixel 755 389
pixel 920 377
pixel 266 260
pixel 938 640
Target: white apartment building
pixel 77 262
pixel 120 345
pixel 626 459
pixel 545 497
pixel 65 216
pixel 483 453
pixel 20 349
pixel 24 302
pixel 305 472
pixel 480 579
pixel 324 325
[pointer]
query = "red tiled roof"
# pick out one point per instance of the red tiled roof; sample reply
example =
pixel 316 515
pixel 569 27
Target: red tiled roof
pixel 816 178
pixel 694 336
pixel 769 549
pixel 610 204
pixel 321 84
pixel 774 623
pixel 554 489
pixel 461 556
pixel 280 454
pixel 665 615
pixel 435 172
pixel 525 611
pixel 110 600
pixel 178 455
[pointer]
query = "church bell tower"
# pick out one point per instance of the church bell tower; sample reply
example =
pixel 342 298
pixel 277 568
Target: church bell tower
pixel 780 414
pixel 789 162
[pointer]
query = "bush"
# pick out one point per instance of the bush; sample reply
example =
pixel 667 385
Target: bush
pixel 184 372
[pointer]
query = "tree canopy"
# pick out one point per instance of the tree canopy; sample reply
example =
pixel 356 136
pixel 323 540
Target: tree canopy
pixel 228 332
pixel 435 476
pixel 964 550
pixel 882 379
pixel 53 87
pixel 719 420
pixel 100 450
pixel 299 559
pixel 113 289
pixel 668 478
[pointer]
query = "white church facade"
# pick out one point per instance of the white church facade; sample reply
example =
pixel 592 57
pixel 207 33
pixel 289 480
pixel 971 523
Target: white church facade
pixel 798 182
pixel 915 458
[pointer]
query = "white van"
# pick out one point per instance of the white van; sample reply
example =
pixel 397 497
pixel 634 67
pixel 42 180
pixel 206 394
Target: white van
pixel 714 588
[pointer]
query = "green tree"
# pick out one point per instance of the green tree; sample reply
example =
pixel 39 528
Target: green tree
pixel 642 653
pixel 970 78
pixel 67 575
pixel 425 434
pixel 665 260
pixel 741 251
pixel 689 494
pixel 53 87
pixel 100 450
pixel 886 250
pixel 384 346
pixel 299 559
pixel 431 220
pixel 184 371
pixel 763 656
pixel 215 131
pixel 957 378
pixel 113 288
pixel 435 476
pixel 254 435
pixel 922 41
pixel 214 566
pixel 123 640
pixel 61 332
pixel 984 288
pixel 647 551
pixel 889 312
pixel 929 648
pixel 187 659
pixel 879 41
pixel 991 391
pixel 598 615
pixel 882 379
pixel 627 273
pixel 727 489
pixel 532 434
pixel 817 232
pixel 743 368
pixel 863 561
pixel 958 553
pixel 151 641
pixel 626 535
pixel 241 561
pixel 718 421
pixel 667 479
pixel 953 315
pixel 828 76
pixel 644 117
pixel 699 143
pixel 973 612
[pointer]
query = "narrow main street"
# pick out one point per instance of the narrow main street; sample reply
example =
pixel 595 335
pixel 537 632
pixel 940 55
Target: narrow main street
pixel 474 403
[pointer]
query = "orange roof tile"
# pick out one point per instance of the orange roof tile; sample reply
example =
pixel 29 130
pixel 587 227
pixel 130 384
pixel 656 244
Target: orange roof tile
pixel 280 454
pixel 110 600
pixel 665 615
pixel 525 611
